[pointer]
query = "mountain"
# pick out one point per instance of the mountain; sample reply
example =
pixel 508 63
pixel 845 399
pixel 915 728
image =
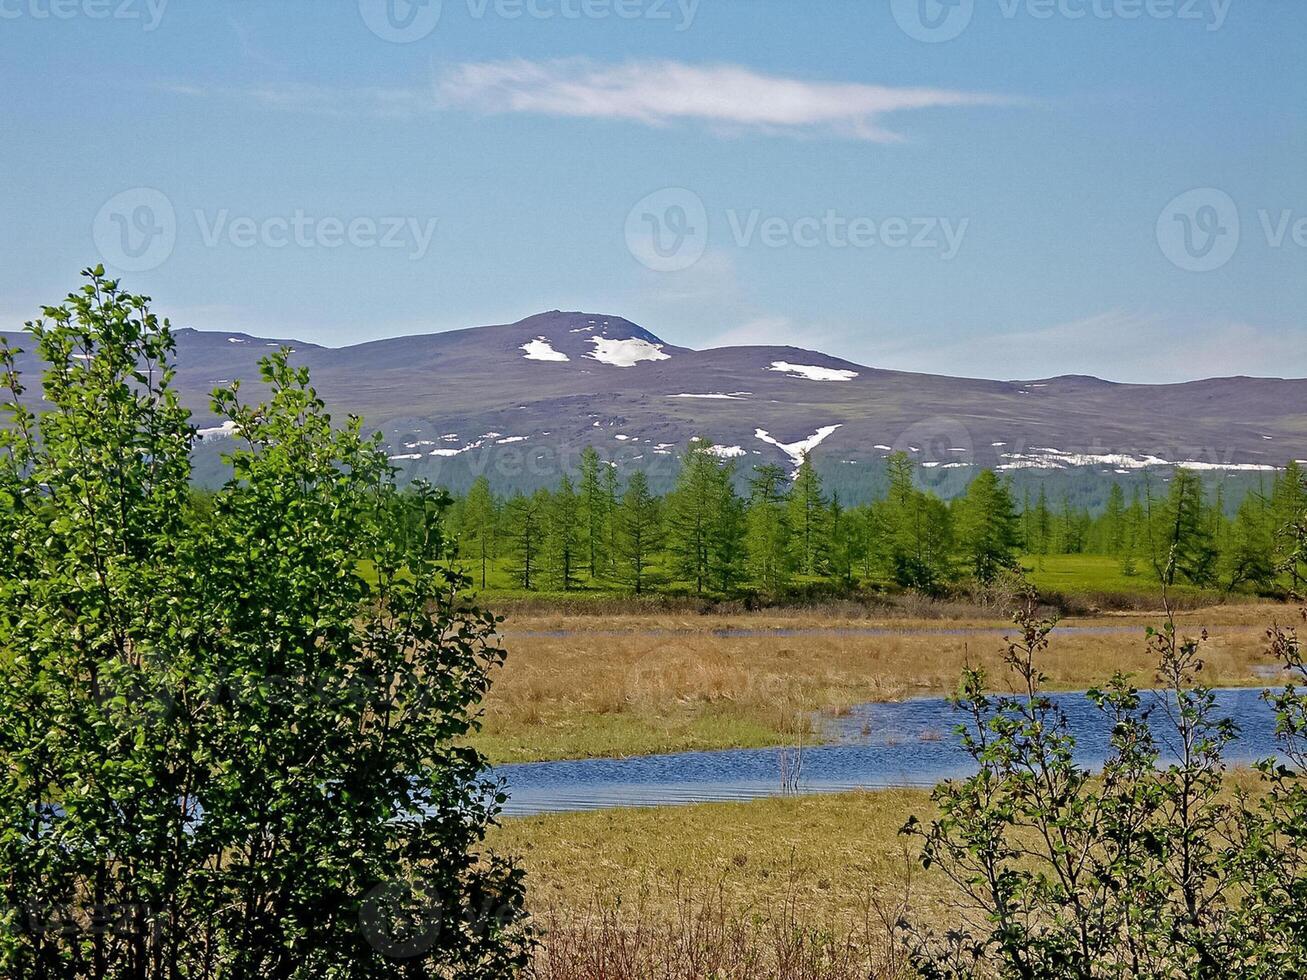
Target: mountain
pixel 518 401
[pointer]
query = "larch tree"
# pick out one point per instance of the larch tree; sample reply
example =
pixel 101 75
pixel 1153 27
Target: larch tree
pixel 988 527
pixel 771 559
pixel 807 507
pixel 639 531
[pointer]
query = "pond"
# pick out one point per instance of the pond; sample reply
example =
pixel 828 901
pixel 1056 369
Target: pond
pixel 875 746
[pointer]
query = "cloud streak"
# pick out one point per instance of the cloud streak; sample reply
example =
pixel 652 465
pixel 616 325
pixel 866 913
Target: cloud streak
pixel 1117 345
pixel 663 93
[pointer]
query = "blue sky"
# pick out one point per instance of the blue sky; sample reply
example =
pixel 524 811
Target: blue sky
pixel 1116 187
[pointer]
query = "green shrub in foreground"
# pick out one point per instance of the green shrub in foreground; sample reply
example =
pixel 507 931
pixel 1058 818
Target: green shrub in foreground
pixel 225 753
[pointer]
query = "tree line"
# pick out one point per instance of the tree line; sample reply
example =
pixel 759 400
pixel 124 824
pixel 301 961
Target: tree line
pixel 707 537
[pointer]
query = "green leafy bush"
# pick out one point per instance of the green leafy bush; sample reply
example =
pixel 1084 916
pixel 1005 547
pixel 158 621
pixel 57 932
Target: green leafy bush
pixel 227 752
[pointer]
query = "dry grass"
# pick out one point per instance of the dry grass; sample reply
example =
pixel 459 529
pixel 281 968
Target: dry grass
pixel 636 684
pixel 802 887
pixel 704 938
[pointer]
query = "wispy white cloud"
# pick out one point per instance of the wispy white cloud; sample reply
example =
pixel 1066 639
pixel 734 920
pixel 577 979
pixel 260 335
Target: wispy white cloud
pixel 727 99
pixel 1118 345
pixel 370 101
pixel 659 93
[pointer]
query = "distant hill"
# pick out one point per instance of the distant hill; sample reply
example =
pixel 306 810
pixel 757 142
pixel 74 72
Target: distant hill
pixel 518 401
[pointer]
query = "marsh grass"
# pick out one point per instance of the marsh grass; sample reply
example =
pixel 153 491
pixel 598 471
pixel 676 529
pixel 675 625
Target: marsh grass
pixel 702 936
pixel 619 685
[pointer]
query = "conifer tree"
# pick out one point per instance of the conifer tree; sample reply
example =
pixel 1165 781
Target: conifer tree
pixel 479 514
pixel 1185 550
pixel 639 531
pixel 564 534
pixel 807 507
pixel 768 536
pixel 596 511
pixel 844 534
pixel 988 526
pixel 1114 520
pixel 1249 553
pixel 525 519
pixel 696 508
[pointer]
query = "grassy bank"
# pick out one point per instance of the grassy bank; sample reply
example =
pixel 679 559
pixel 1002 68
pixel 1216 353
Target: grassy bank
pixel 579 685
pixel 1077 581
pixel 822 856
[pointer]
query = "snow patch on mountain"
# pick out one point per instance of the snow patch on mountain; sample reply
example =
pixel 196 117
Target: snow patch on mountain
pixel 541 349
pixel 734 396
pixel 726 452
pixel 797 450
pixel 811 372
pixel 625 353
pixel 1045 458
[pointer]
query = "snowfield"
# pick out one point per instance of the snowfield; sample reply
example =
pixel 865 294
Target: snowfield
pixel 541 350
pixel 726 452
pixel 797 450
pixel 1045 458
pixel 625 353
pixel 811 372
pixel 733 396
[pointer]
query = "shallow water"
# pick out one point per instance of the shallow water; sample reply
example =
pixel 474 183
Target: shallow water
pixel 906 743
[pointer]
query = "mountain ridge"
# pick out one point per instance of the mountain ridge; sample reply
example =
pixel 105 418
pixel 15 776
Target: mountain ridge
pixel 522 399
